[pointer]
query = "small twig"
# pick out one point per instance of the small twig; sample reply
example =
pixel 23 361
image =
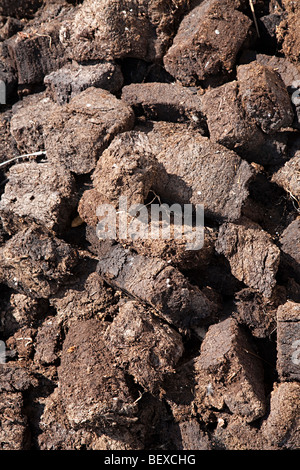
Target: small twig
pixel 155 197
pixel 254 17
pixel 12 160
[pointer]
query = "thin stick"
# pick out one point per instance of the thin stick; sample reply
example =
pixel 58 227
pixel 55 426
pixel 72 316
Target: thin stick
pixel 254 17
pixel 3 164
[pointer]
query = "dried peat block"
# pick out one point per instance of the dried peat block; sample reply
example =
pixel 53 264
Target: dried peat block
pixel 39 193
pixel 194 170
pixel 287 32
pixel 288 177
pixel 35 263
pixel 143 345
pixel 63 84
pixel 288 71
pixel 92 388
pixel 207 43
pixel 116 29
pixel 20 345
pixel 14 423
pixel 227 120
pixel 58 433
pixel 236 434
pixel 14 380
pixel 290 249
pixel 230 125
pixel 126 168
pixel 288 341
pixel 282 428
pixel 154 282
pixel 253 257
pixel 21 311
pixel 229 373
pixel 165 102
pixel 19 8
pixel 264 96
pixel 172 250
pixel 27 122
pixel 192 437
pixel 48 342
pixel 175 251
pixel 83 295
pixel 252 310
pixel 79 131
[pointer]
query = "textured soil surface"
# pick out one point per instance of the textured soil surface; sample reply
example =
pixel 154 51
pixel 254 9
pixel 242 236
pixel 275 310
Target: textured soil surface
pixel 136 343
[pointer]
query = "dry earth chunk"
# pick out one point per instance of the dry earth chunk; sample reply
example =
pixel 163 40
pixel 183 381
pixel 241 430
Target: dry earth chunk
pixel 290 248
pixel 230 125
pixel 20 345
pixel 264 96
pixel 47 342
pixel 79 131
pixel 15 378
pixel 252 310
pixel 282 428
pixel 289 73
pixel 155 282
pixel 123 176
pixel 234 433
pixel 114 29
pixel 253 257
pixel 126 168
pixel 175 250
pixel 35 263
pixel 165 102
pixel 37 53
pixel 288 31
pixel 288 177
pixel 194 170
pixel 28 120
pixel 13 431
pixel 287 70
pixel 40 193
pixel 22 311
pixel 228 372
pixel 288 341
pixel 92 388
pixel 58 433
pixel 207 43
pixel 144 346
pixel 228 122
pixel 84 295
pixel 63 84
